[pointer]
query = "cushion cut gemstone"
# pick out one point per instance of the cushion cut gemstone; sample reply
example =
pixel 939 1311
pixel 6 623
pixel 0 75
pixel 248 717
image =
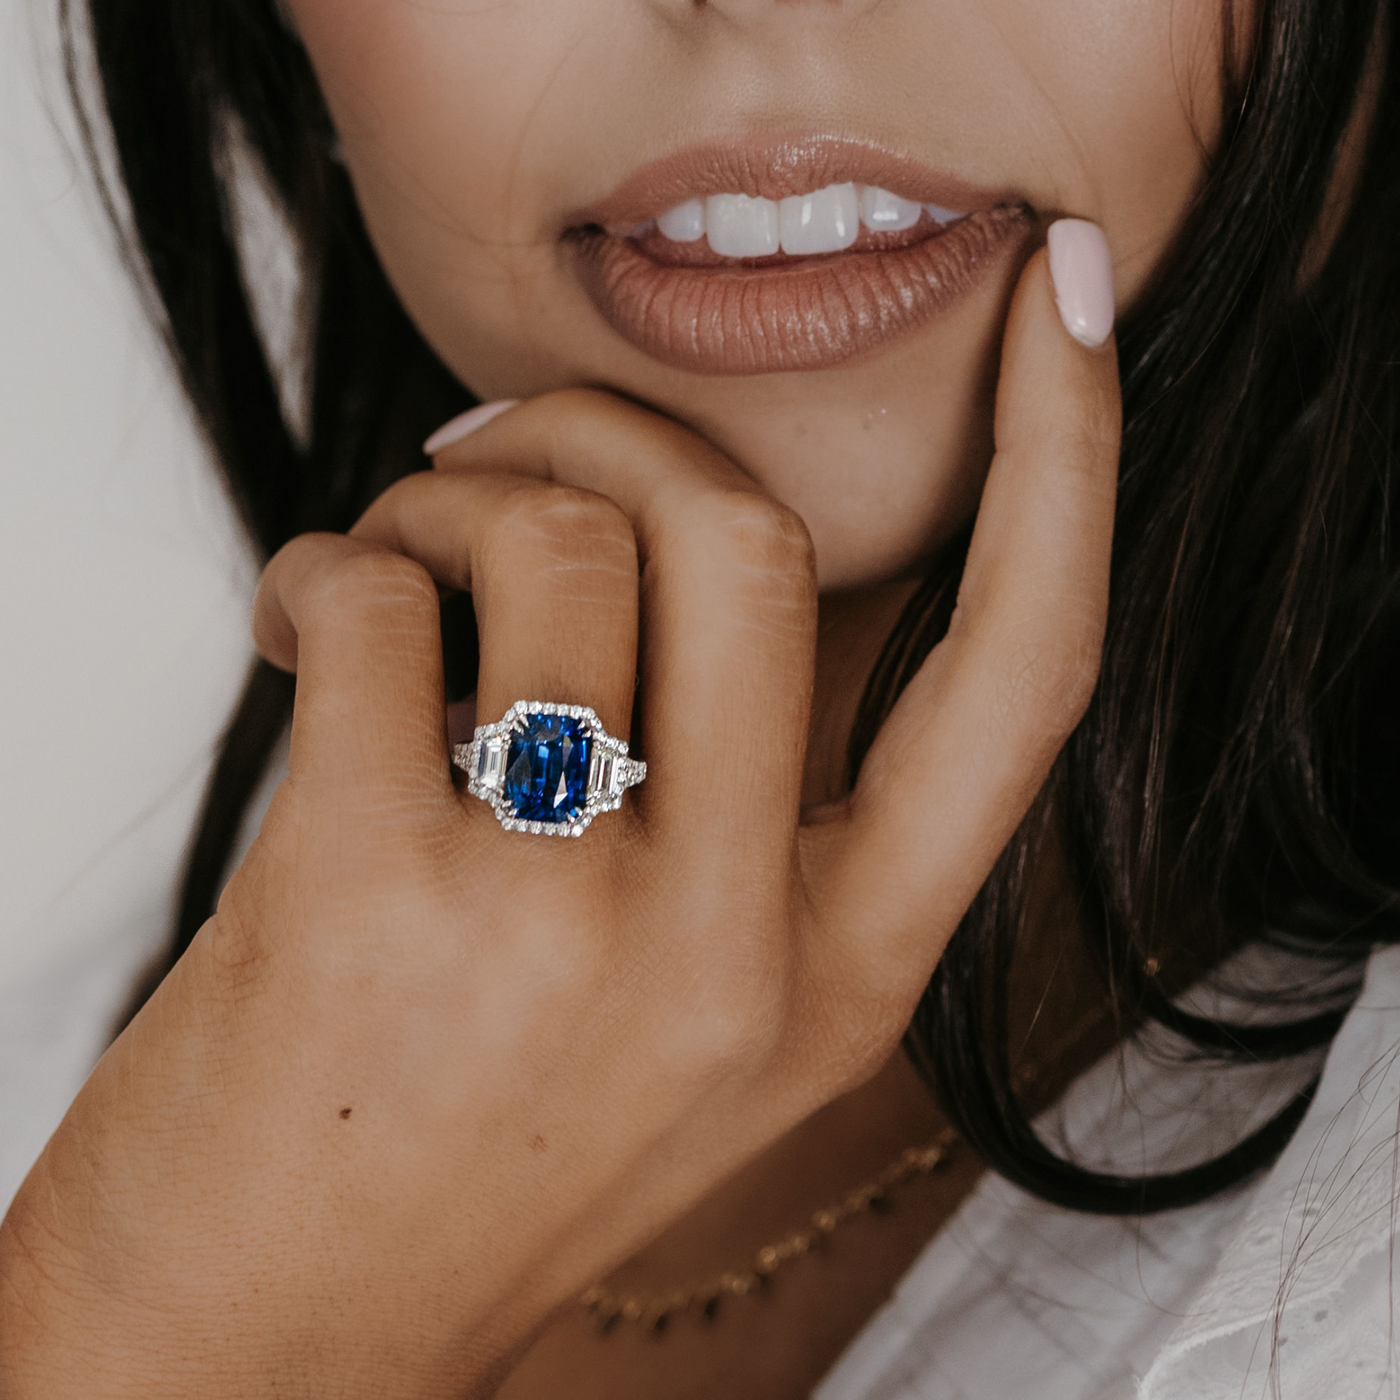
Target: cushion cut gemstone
pixel 547 769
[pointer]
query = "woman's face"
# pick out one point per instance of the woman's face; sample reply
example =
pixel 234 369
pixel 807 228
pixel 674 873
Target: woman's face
pixel 511 156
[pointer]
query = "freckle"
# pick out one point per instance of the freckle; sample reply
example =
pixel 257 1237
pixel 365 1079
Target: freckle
pixel 537 1143
pixel 346 1112
pixel 800 430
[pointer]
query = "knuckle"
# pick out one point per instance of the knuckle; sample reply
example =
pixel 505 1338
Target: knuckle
pixel 566 418
pixel 371 581
pixel 854 1015
pixel 562 408
pixel 563 526
pixel 717 1021
pixel 398 498
pixel 237 944
pixel 1087 442
pixel 1048 684
pixel 713 1044
pixel 762 536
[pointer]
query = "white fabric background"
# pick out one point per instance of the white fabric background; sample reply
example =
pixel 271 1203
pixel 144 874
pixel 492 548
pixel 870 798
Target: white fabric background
pixel 124 587
pixel 1016 1299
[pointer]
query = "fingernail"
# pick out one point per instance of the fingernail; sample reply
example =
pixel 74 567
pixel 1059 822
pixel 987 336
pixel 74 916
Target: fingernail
pixel 466 423
pixel 1082 271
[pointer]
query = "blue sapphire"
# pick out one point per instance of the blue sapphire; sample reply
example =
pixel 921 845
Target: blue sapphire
pixel 547 769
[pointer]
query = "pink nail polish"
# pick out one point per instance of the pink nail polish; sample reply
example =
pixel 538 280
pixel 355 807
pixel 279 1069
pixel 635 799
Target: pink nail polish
pixel 465 424
pixel 1082 271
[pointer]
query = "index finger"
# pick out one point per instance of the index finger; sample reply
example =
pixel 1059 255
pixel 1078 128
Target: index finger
pixel 970 742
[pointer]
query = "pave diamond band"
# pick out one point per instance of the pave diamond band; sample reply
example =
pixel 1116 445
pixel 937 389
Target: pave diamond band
pixel 548 769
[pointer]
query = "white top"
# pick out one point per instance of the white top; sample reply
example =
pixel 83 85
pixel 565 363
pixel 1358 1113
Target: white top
pixel 1282 1288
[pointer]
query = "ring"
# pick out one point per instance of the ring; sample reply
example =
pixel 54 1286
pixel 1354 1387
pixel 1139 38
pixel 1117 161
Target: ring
pixel 548 769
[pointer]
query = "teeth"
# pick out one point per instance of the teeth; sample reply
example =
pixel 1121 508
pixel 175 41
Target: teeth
pixel 827 221
pixel 685 223
pixel 741 227
pixel 883 212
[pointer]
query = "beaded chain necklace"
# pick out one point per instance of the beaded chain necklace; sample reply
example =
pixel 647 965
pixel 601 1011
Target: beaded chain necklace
pixel 655 1311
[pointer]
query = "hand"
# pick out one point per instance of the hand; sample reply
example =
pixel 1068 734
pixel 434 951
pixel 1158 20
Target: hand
pixel 420 1080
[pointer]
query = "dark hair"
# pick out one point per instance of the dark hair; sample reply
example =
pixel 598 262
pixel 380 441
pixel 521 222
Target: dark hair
pixel 1237 778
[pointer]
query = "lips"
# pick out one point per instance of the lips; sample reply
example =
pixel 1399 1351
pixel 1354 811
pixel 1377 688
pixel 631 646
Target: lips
pixel 686 306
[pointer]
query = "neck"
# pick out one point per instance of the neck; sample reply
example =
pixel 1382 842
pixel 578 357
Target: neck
pixel 852 628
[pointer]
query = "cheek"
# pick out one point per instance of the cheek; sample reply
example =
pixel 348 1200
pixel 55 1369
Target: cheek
pixel 443 109
pixel 461 121
pixel 388 87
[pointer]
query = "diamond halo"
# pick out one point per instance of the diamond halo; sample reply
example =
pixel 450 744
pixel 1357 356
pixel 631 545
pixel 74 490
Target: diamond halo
pixel 556 761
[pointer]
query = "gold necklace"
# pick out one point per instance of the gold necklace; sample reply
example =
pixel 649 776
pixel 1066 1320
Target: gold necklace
pixel 656 1310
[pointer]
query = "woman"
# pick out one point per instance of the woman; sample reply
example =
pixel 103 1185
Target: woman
pixel 968 755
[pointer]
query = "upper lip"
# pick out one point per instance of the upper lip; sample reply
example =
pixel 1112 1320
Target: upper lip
pixel 774 168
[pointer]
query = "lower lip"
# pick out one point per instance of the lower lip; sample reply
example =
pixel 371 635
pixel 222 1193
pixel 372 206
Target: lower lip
pixel 801 314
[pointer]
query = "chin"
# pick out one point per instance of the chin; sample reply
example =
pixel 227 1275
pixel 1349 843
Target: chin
pixel 882 455
pixel 825 311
